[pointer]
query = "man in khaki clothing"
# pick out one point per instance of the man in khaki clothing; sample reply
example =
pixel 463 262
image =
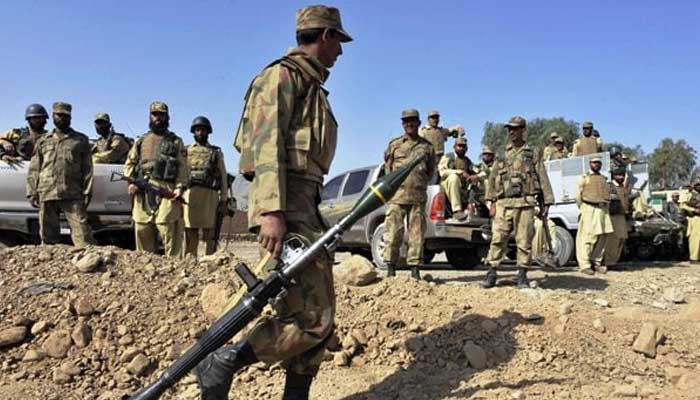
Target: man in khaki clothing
pixel 111 147
pixel 207 193
pixel 457 175
pixel 619 208
pixel 159 156
pixel 483 170
pixel 588 144
pixel 558 152
pixel 594 225
pixel 287 138
pixel 550 148
pixel 690 207
pixel 515 183
pixel 18 143
pixel 60 180
pixel 437 135
pixel 407 207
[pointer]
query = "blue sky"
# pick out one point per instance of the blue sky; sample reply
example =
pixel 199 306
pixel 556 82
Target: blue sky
pixel 632 67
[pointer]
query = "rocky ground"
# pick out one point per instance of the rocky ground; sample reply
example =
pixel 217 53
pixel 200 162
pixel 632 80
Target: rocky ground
pixel 101 322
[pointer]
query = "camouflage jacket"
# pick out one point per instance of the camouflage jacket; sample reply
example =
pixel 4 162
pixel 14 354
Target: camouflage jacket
pixel 23 140
pixel 518 178
pixel 451 164
pixel 61 168
pixel 112 149
pixel 552 153
pixel 400 152
pixel 436 137
pixel 287 138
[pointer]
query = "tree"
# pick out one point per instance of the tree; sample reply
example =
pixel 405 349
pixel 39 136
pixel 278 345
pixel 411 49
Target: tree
pixel 538 129
pixel 671 164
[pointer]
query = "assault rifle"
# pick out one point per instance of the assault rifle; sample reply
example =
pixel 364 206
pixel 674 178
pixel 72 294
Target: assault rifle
pixel 150 191
pixel 549 259
pixel 295 257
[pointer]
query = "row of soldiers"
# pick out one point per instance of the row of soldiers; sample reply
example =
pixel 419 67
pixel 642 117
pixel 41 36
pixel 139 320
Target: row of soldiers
pixel 60 177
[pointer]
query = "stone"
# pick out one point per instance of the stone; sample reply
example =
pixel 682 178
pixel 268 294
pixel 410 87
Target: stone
pixel 674 295
pixel 355 271
pixel 213 300
pixel 646 340
pixel 12 336
pixel 598 325
pixel 122 330
pixel 660 305
pixel 58 344
pixel 601 302
pixel 60 377
pixel 360 336
pixel 70 369
pixel 126 340
pixel 129 354
pixel 138 365
pixel 341 359
pixel 81 335
pixel 40 327
pixel 83 307
pixel 475 355
pixel 489 326
pixel 517 395
pixel 535 356
pixel 33 355
pixel 625 390
pixel 89 262
pixel 565 308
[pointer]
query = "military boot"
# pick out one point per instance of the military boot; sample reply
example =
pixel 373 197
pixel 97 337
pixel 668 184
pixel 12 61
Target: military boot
pixel 215 373
pixel 490 280
pixel 296 386
pixel 522 282
pixel 415 272
pixel 390 269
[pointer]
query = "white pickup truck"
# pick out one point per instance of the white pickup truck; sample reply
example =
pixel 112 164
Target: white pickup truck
pixel 109 211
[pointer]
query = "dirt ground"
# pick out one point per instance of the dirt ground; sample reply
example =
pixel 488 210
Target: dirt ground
pixel 105 332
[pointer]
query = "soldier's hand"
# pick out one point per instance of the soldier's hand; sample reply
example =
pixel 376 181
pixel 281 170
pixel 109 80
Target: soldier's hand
pixel 133 189
pixel 34 202
pixel 492 210
pixel 272 230
pixel 8 147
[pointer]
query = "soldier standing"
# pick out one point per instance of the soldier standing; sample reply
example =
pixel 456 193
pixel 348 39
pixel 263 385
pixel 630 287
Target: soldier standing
pixel 207 193
pixel 159 156
pixel 619 208
pixel 456 175
pixel 60 179
pixel 592 198
pixel 690 206
pixel 672 209
pixel 437 135
pixel 588 144
pixel 550 148
pixel 111 147
pixel 408 204
pixel 287 138
pixel 515 184
pixel 483 170
pixel 19 143
pixel 559 151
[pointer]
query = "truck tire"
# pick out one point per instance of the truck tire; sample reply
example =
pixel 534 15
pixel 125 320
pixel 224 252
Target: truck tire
pixel 463 259
pixel 564 247
pixel 378 246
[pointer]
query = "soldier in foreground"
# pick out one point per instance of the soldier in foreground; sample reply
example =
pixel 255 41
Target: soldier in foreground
pixel 111 147
pixel 619 208
pixel 690 206
pixel 588 144
pixel 408 204
pixel 592 198
pixel 207 193
pixel 159 156
pixel 515 184
pixel 287 139
pixel 60 179
pixel 457 175
pixel 18 143
pixel 437 135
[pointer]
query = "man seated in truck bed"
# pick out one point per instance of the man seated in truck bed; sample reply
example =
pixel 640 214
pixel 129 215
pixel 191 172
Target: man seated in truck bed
pixel 458 178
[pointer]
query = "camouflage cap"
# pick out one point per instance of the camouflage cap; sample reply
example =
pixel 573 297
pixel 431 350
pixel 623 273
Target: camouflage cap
pixel 516 122
pixel 102 117
pixel 553 135
pixel 60 107
pixel 158 106
pixel 587 124
pixel 314 17
pixel 434 113
pixel 410 113
pixel 595 159
pixel 486 150
pixel 461 140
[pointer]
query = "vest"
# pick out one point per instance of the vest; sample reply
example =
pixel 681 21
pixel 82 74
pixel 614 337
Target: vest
pixel 619 203
pixel 158 156
pixel 595 189
pixel 462 164
pixel 517 176
pixel 203 161
pixel 587 145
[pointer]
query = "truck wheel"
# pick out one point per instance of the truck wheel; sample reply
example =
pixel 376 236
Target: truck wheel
pixel 563 246
pixel 463 258
pixel 378 246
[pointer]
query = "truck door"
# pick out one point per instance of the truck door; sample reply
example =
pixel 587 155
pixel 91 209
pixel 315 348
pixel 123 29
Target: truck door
pixel 329 198
pixel 354 186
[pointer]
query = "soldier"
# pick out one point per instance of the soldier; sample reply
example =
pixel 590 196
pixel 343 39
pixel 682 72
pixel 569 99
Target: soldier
pixel 690 206
pixel 437 135
pixel 111 147
pixel 483 170
pixel 619 209
pixel 60 179
pixel 18 143
pixel 559 150
pixel 515 185
pixel 550 148
pixel 457 175
pixel 207 194
pixel 159 156
pixel 408 204
pixel 592 198
pixel 287 139
pixel 588 144
pixel 672 209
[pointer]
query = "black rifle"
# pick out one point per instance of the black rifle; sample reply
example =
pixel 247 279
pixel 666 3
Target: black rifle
pixel 548 260
pixel 259 292
pixel 148 190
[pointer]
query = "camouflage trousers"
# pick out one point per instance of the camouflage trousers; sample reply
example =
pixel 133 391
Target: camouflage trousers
pixel 507 220
pixel 615 242
pixel 50 226
pixel 192 239
pixel 455 192
pixel 694 238
pixel 397 215
pixel 171 234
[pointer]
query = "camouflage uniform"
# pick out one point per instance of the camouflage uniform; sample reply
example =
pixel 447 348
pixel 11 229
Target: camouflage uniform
pixel 551 152
pixel 587 144
pixel 110 149
pixel 619 209
pixel 690 206
pixel 162 160
pixel 60 178
pixel 207 189
pixel 437 136
pixel 592 198
pixel 23 140
pixel 408 204
pixel 450 169
pixel 483 170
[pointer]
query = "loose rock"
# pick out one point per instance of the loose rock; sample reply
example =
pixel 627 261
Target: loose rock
pixel 646 340
pixel 11 336
pixel 213 300
pixel 355 271
pixel 475 355
pixel 58 344
pixel 89 262
pixel 138 365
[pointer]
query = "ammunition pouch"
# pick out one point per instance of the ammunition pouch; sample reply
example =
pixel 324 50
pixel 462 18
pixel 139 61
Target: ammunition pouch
pixel 200 177
pixel 166 165
pixel 615 207
pixel 514 186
